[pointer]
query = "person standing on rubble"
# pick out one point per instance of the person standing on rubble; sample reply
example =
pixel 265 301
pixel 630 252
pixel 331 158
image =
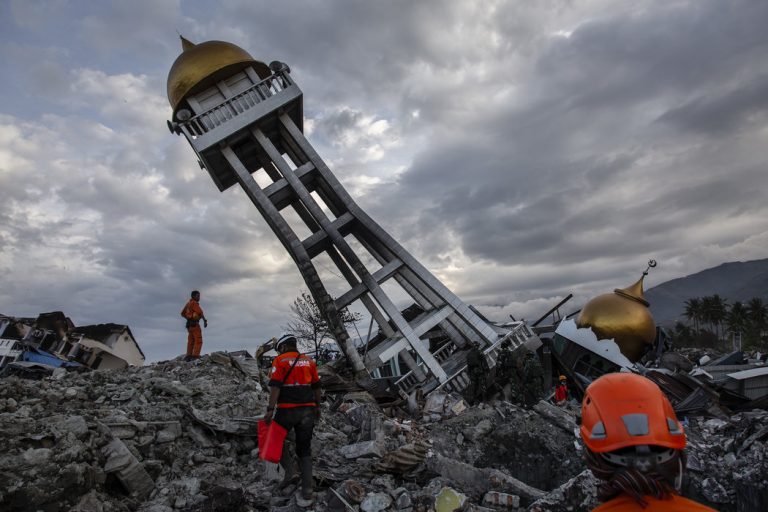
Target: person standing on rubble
pixel 533 380
pixel 193 313
pixel 294 398
pixel 477 368
pixel 505 368
pixel 635 445
pixel 561 391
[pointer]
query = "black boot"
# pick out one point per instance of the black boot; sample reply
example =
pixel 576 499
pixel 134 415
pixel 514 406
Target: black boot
pixel 305 498
pixel 288 463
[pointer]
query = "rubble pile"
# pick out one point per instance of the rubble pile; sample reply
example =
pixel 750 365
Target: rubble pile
pixel 728 461
pixel 182 436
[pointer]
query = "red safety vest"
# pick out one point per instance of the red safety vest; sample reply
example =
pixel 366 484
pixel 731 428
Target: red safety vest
pixel 297 390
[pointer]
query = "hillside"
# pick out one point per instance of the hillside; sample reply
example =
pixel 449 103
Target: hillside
pixel 735 281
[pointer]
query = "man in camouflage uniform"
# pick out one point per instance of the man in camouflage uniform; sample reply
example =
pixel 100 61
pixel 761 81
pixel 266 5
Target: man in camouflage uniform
pixel 533 380
pixel 506 370
pixel 477 368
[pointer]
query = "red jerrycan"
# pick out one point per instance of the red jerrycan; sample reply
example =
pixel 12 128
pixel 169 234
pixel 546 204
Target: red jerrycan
pixel 271 439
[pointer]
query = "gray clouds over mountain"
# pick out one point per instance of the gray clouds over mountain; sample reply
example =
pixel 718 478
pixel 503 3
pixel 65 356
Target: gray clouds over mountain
pixel 521 150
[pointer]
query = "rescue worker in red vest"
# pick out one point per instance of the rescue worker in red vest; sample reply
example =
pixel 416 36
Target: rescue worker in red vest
pixel 193 313
pixel 635 445
pixel 294 399
pixel 561 392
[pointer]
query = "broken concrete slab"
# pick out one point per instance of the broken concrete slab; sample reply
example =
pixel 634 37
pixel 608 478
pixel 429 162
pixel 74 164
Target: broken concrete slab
pixel 478 481
pixel 578 493
pixel 363 449
pixel 124 465
pixel 376 502
pixel 558 416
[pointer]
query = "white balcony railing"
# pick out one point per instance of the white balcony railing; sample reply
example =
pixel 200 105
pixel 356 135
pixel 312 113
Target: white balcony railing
pixel 236 105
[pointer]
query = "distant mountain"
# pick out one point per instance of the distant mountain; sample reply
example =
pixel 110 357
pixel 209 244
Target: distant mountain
pixel 737 281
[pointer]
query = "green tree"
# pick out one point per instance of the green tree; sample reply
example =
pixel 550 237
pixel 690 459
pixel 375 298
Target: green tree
pixel 682 335
pixel 693 312
pixel 757 315
pixel 718 314
pixel 737 320
pixel 707 307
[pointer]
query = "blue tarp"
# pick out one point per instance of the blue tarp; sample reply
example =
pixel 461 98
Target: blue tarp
pixel 41 356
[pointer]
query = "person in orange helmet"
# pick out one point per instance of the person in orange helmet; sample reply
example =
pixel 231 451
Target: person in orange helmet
pixel 561 392
pixel 294 398
pixel 635 445
pixel 193 313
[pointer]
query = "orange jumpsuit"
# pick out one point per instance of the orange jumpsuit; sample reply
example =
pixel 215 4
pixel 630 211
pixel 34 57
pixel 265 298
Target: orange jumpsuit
pixel 193 312
pixel 675 503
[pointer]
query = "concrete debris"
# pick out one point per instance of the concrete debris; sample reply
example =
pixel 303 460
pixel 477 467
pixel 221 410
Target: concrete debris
pixel 376 502
pixel 578 493
pixel 501 499
pixel 449 500
pixel 124 465
pixel 364 449
pixel 181 436
pixel 714 491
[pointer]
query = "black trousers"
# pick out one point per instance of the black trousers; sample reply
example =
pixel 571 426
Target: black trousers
pixel 302 421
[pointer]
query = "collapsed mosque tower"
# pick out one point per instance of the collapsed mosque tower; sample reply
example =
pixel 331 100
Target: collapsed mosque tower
pixel 243 118
pixel 612 331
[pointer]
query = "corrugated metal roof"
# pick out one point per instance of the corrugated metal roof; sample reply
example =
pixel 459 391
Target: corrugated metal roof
pixel 748 374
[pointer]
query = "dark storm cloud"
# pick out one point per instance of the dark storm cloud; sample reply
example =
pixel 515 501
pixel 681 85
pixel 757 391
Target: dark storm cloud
pixel 521 150
pixel 542 182
pixel 742 108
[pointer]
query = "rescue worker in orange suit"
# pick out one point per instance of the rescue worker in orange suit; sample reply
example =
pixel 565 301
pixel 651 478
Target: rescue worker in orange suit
pixel 561 392
pixel 635 445
pixel 294 398
pixel 193 313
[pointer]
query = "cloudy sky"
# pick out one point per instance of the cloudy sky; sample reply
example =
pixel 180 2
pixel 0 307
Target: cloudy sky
pixel 521 150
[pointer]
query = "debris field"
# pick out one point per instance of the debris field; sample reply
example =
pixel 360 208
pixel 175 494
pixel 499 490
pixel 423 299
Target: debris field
pixel 181 436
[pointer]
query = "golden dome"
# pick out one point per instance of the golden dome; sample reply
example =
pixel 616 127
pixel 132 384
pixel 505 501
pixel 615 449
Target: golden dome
pixel 622 316
pixel 201 65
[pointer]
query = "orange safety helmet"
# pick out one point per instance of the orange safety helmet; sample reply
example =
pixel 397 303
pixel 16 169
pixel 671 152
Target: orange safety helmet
pixel 625 409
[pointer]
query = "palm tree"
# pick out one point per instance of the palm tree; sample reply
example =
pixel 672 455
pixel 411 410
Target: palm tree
pixel 719 313
pixel 707 309
pixel 737 318
pixel 693 312
pixel 757 312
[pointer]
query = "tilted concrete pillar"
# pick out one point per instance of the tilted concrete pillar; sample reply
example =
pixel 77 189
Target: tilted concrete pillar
pixel 241 116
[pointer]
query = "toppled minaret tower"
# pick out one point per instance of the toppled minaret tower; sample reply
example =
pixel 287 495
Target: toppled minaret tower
pixel 241 116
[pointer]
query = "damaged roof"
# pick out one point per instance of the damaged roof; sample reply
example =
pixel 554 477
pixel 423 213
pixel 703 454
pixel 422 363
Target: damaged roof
pixel 100 332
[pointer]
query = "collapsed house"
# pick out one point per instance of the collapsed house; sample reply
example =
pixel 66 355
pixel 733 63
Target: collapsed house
pixel 52 340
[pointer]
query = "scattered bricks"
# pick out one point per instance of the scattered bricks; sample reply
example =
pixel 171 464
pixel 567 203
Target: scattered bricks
pixel 501 499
